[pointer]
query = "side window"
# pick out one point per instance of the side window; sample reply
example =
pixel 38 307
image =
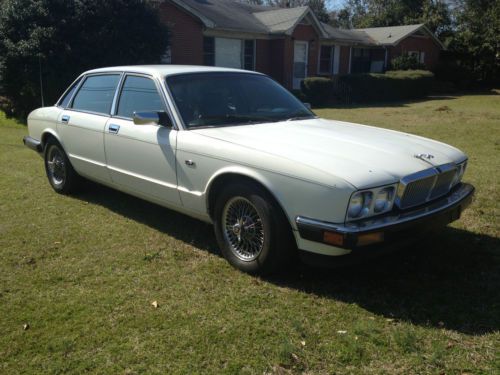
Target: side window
pixel 69 94
pixel 138 94
pixel 97 93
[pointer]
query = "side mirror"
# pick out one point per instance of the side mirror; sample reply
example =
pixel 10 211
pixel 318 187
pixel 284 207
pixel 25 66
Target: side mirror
pixel 151 118
pixel 307 105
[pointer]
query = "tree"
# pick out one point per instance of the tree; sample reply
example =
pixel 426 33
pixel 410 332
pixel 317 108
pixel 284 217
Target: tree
pixel 477 36
pixel 376 13
pixel 58 39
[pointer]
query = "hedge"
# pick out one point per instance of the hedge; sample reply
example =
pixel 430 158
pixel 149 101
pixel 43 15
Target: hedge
pixel 318 91
pixel 393 85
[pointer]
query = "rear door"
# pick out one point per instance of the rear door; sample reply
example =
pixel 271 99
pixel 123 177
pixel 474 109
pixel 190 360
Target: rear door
pixel 81 125
pixel 141 158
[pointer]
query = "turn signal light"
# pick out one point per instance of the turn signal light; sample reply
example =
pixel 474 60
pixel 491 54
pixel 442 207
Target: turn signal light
pixel 333 238
pixel 369 238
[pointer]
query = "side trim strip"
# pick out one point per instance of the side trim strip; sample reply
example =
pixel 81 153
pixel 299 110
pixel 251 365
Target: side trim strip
pixel 87 160
pixel 142 177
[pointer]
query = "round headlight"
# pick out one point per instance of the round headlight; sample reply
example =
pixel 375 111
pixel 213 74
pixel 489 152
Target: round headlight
pixel 383 200
pixel 356 205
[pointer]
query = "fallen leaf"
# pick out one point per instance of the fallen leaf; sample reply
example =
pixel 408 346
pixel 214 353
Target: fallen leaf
pixel 303 343
pixel 154 304
pixel 26 326
pixel 342 332
pixel 389 320
pixel 57 242
pixel 295 357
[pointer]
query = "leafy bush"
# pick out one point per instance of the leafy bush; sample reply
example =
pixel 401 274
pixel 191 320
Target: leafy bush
pixel 406 62
pixel 318 91
pixel 393 85
pixel 299 95
pixel 59 39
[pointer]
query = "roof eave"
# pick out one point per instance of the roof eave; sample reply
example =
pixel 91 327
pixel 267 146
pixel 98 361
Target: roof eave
pixel 206 21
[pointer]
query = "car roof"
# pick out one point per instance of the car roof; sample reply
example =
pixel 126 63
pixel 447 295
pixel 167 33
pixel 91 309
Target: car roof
pixel 166 70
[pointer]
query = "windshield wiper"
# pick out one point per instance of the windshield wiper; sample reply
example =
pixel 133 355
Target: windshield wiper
pixel 299 116
pixel 233 120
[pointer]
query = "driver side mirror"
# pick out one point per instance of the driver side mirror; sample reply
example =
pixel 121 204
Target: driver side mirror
pixel 152 118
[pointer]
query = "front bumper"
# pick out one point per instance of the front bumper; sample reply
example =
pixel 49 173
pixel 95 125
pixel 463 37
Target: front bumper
pixel 33 144
pixel 393 227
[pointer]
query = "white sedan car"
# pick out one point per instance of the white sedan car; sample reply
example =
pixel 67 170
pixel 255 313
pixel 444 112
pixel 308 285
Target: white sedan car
pixel 236 149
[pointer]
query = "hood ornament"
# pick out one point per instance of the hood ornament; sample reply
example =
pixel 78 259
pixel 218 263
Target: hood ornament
pixel 424 157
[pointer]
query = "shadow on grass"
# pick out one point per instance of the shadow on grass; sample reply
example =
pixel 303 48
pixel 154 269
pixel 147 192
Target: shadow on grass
pixel 450 280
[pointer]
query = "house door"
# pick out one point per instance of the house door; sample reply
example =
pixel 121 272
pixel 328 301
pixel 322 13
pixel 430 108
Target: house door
pixel 299 63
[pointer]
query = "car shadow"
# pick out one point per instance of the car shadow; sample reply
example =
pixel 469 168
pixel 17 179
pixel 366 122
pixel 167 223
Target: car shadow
pixel 450 280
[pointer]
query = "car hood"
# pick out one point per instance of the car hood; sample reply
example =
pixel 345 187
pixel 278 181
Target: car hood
pixel 362 155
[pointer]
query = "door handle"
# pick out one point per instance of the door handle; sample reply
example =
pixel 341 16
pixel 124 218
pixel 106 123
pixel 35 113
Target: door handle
pixel 65 119
pixel 113 129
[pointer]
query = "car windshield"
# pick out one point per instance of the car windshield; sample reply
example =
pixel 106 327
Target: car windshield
pixel 229 99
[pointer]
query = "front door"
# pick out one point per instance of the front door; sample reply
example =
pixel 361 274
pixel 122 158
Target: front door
pixel 141 158
pixel 299 63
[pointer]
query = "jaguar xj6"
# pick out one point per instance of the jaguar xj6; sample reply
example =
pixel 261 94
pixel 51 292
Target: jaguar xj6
pixel 236 149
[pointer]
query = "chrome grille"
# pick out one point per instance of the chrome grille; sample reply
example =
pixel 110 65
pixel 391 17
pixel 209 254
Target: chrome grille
pixel 443 183
pixel 426 185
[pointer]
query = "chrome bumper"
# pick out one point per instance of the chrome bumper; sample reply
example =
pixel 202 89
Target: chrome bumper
pixel 388 227
pixel 33 144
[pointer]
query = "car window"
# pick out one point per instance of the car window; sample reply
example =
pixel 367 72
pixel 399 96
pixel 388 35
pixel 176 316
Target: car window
pixel 138 94
pixel 97 93
pixel 226 99
pixel 69 94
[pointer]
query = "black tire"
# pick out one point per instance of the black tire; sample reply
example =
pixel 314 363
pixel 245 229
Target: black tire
pixel 270 253
pixel 60 173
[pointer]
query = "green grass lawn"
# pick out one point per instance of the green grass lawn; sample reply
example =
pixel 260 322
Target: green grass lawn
pixel 83 270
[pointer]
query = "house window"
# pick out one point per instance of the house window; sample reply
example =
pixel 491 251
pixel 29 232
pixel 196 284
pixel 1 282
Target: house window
pixel 419 56
pixel 249 55
pixel 326 59
pixel 229 53
pixel 209 51
pixel 361 60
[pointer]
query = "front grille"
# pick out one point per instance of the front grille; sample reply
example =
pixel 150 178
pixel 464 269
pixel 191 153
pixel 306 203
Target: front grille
pixel 426 185
pixel 443 183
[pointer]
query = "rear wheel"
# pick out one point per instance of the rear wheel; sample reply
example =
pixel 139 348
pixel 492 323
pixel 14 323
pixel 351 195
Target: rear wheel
pixel 60 173
pixel 252 231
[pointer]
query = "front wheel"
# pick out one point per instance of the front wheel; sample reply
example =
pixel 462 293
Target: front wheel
pixel 60 173
pixel 252 231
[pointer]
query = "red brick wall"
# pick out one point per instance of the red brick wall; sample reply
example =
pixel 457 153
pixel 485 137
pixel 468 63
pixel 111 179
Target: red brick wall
pixel 421 44
pixel 263 56
pixel 186 38
pixel 344 59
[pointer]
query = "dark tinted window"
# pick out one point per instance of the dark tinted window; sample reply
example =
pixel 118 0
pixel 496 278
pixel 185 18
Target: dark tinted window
pixel 216 99
pixel 65 100
pixel 96 94
pixel 209 51
pixel 249 54
pixel 138 94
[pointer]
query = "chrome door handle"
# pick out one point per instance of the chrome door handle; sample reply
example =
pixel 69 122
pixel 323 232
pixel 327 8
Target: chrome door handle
pixel 65 119
pixel 113 129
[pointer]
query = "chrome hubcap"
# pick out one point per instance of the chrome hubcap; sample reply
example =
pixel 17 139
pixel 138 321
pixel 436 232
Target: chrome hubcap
pixel 56 166
pixel 243 229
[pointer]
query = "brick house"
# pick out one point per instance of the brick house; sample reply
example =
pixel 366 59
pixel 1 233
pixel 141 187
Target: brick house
pixel 288 44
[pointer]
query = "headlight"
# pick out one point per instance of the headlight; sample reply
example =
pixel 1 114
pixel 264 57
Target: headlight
pixel 383 200
pixel 460 173
pixel 362 204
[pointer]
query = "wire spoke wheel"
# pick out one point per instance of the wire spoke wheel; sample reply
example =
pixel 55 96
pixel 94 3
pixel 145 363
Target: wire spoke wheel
pixel 243 229
pixel 56 166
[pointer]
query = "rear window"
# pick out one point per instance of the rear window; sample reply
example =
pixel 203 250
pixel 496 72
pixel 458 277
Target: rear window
pixel 97 93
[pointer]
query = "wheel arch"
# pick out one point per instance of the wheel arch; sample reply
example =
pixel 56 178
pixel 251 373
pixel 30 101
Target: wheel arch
pixel 47 134
pixel 234 175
